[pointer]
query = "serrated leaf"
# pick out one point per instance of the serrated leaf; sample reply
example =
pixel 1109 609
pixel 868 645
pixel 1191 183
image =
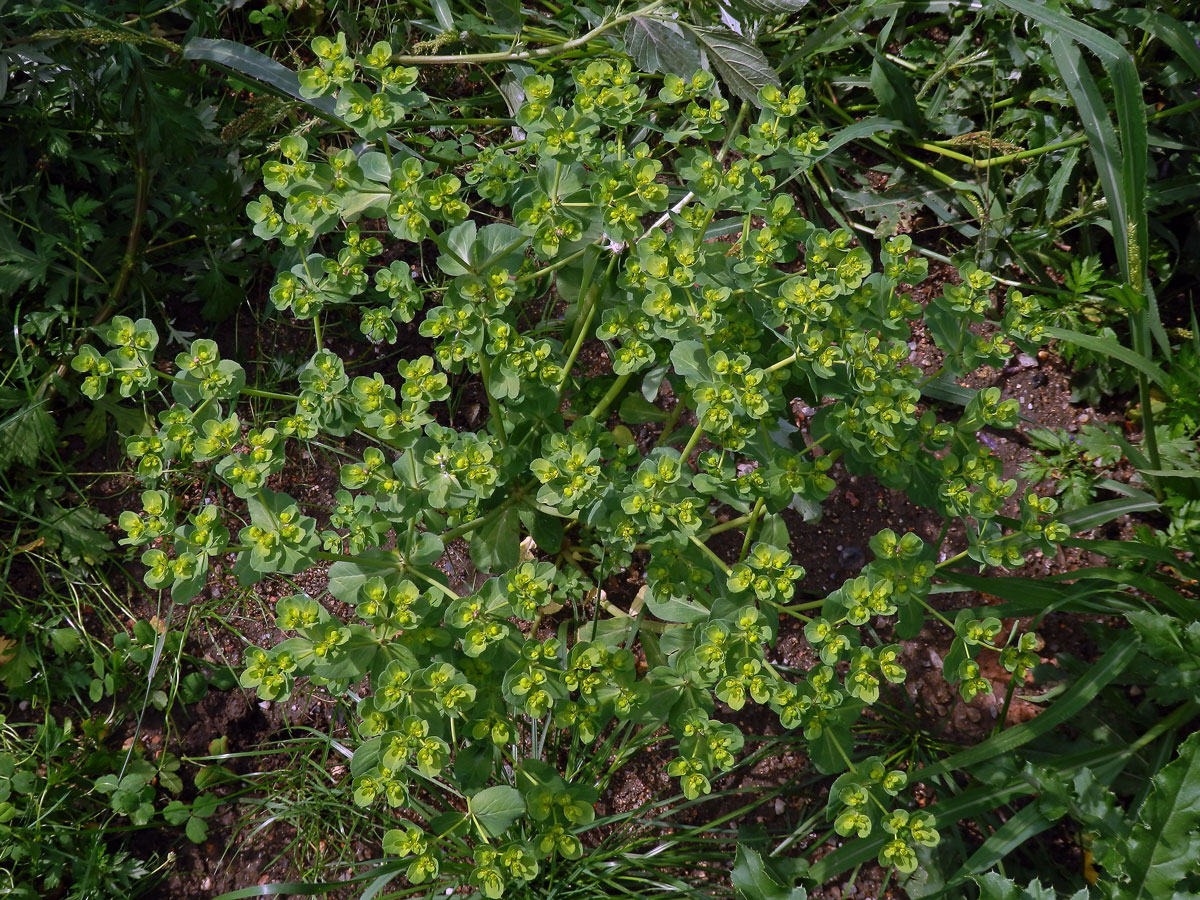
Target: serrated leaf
pixel 25 436
pixel 1165 844
pixel 994 886
pixel 496 808
pixel 78 533
pixel 658 45
pixel 773 7
pixel 742 66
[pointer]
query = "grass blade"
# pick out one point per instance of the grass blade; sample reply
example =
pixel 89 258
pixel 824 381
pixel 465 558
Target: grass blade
pixel 1166 29
pixel 1121 163
pixel 1095 514
pixel 972 802
pixel 247 63
pixel 1109 347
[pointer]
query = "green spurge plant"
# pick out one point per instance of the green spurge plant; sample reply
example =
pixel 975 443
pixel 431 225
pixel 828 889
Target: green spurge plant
pixel 488 716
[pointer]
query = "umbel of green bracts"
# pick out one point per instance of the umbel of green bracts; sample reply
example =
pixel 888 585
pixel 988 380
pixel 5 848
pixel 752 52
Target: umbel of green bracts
pixel 581 210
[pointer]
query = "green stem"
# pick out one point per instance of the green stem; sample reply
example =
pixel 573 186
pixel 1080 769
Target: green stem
pixel 1139 329
pixel 709 553
pixel 803 607
pixel 493 407
pixel 446 123
pixel 583 329
pixel 709 532
pixel 936 614
pixel 952 560
pixel 128 260
pixel 686 452
pixel 546 270
pixel 754 514
pixel 669 425
pixel 267 395
pixel 775 367
pixel 432 582
pixel 1008 695
pixel 467 527
pixel 1007 158
pixel 542 52
pixel 607 400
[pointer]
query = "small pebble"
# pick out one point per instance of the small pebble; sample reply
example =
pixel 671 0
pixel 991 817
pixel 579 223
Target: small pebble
pixel 852 557
pixel 1026 361
pixel 1040 380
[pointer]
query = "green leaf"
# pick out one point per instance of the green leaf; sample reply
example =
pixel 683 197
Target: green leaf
pixel 456 244
pixel 26 435
pixel 864 128
pixel 425 548
pixel 196 830
pixel 505 13
pixel 546 530
pixel 973 801
pixel 345 578
pixel 994 886
pixel 690 360
pixel 1166 29
pixel 676 609
pixel 77 533
pixel 772 7
pixel 636 410
pixel 896 96
pixel 176 812
pixel 740 63
pixel 249 63
pixel 1026 824
pixel 659 45
pixel 1095 514
pixel 1165 844
pixel 496 808
pixel 1121 164
pixel 276 78
pixel 495 546
pixel 1109 347
pixel 754 881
